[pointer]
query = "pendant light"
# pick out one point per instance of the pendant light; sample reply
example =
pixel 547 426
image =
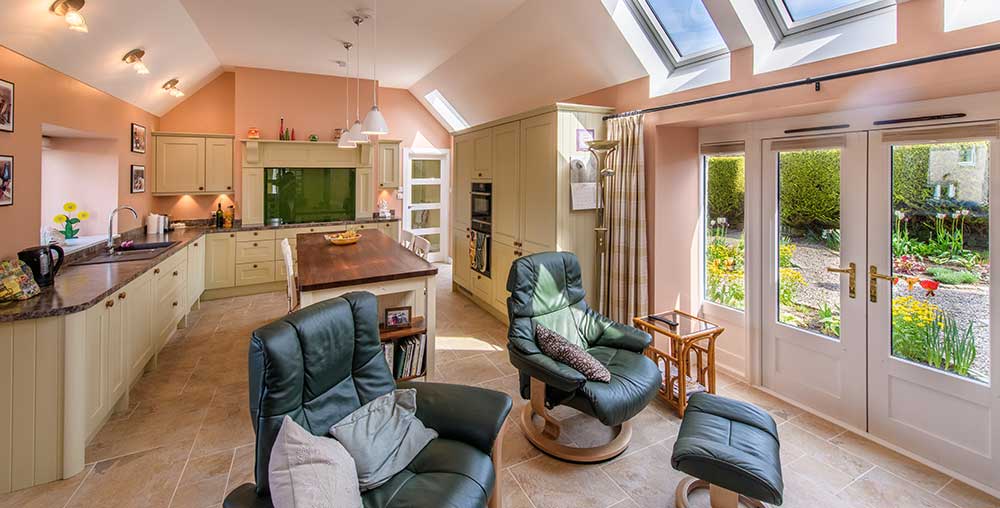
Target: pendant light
pixel 374 121
pixel 356 130
pixel 345 136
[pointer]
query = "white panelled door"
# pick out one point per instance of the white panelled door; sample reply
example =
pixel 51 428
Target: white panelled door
pixel 425 199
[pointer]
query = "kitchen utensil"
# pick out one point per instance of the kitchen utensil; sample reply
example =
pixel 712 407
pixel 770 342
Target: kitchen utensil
pixel 40 260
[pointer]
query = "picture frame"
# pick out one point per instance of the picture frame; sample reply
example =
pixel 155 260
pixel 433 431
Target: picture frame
pixel 138 137
pixel 6 106
pixel 6 180
pixel 398 317
pixel 582 136
pixel 137 179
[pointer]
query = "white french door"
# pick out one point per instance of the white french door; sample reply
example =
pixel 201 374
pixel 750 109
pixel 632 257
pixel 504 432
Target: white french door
pixel 425 199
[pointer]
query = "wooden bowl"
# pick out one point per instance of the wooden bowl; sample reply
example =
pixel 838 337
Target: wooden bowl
pixel 337 240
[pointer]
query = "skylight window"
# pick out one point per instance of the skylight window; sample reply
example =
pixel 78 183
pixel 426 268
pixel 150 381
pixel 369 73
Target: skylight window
pixel 446 111
pixel 682 30
pixel 790 17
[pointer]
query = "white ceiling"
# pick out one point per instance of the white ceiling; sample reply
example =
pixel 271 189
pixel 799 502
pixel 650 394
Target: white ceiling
pixel 472 50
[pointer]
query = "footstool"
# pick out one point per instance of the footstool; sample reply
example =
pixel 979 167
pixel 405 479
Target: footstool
pixel 731 447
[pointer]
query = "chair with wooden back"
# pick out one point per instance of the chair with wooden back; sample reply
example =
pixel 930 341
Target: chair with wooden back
pixel 406 238
pixel 291 286
pixel 421 246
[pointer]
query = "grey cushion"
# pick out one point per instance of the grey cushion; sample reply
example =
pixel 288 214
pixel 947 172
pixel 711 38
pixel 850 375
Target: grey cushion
pixel 383 436
pixel 555 346
pixel 308 471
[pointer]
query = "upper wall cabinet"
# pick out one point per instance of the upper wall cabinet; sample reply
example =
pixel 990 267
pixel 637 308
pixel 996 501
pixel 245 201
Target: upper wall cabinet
pixel 192 163
pixel 388 164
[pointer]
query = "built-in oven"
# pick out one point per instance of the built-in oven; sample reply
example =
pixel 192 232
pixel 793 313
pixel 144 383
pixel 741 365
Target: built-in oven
pixel 482 227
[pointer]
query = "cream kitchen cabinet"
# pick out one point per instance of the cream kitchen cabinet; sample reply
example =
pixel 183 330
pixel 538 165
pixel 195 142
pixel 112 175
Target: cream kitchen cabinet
pixel 461 272
pixel 482 286
pixel 506 192
pixel 170 297
pixel 483 158
pixel 192 163
pixel 389 175
pixel 465 154
pixel 504 254
pixel 136 302
pixel 195 271
pixel 220 260
pixel 364 193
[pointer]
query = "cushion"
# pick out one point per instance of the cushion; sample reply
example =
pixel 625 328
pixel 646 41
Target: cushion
pixel 383 436
pixel 559 349
pixel 308 471
pixel 635 381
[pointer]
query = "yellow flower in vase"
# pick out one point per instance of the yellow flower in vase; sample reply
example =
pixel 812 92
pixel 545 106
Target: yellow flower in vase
pixel 83 215
pixel 69 207
pixel 60 219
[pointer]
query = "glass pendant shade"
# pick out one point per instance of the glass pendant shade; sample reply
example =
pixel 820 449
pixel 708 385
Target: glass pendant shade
pixel 356 133
pixel 375 122
pixel 346 141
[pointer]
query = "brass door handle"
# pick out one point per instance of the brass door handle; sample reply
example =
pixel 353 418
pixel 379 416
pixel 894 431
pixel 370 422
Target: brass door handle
pixel 852 277
pixel 873 278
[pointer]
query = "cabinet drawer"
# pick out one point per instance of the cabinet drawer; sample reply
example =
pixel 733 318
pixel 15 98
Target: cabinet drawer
pixel 289 233
pixel 279 270
pixel 248 274
pixel 482 286
pixel 249 252
pixel 262 234
pixel 278 256
pixel 170 276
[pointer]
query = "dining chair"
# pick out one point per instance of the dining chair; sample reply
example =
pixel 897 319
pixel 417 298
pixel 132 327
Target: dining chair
pixel 421 246
pixel 406 239
pixel 291 287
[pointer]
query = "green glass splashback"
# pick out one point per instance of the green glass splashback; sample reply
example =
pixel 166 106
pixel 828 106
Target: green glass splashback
pixel 309 194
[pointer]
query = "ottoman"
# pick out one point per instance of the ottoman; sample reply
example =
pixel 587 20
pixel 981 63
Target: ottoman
pixel 731 447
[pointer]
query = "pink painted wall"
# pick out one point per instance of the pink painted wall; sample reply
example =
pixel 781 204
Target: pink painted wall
pixel 310 103
pixel 43 95
pixel 84 171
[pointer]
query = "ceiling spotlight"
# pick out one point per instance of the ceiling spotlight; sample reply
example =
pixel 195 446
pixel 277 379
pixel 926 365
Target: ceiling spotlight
pixel 70 11
pixel 171 88
pixel 134 58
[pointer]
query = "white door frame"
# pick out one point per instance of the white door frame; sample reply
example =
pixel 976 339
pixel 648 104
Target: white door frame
pixel 443 230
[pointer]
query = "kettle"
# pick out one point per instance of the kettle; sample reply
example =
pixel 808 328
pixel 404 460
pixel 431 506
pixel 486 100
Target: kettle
pixel 39 259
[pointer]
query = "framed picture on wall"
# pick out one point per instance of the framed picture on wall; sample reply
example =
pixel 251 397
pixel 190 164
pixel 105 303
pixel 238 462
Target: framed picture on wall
pixel 6 180
pixel 138 138
pixel 138 179
pixel 6 106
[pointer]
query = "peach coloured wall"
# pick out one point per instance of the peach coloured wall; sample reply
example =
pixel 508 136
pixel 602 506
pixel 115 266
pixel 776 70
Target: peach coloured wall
pixel 83 171
pixel 310 103
pixel 43 95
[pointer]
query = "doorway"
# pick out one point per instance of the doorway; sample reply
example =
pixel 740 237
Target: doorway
pixel 425 198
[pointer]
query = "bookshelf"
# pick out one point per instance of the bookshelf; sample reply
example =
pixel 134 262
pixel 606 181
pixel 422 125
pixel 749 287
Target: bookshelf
pixel 405 349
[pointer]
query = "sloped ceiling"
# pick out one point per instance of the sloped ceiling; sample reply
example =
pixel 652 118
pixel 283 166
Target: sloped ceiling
pixel 488 57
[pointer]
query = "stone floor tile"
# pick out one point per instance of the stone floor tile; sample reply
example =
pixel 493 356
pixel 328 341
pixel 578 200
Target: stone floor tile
pixel 881 489
pixel 139 480
pixel 905 467
pixel 46 495
pixel 818 426
pixel 551 483
pixel 967 496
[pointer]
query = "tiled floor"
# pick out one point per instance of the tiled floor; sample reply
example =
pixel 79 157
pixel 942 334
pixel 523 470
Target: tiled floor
pixel 186 439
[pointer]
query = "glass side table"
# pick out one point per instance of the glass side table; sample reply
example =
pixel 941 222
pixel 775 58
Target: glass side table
pixel 683 348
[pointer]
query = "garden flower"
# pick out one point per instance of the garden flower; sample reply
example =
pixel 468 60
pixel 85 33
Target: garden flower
pixel 69 207
pixel 910 282
pixel 712 222
pixel 722 220
pixel 900 214
pixel 965 212
pixel 955 215
pixel 930 286
pixel 940 215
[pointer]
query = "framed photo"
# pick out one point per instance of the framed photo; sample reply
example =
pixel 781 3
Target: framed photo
pixel 138 179
pixel 397 317
pixel 6 106
pixel 6 180
pixel 138 138
pixel 582 136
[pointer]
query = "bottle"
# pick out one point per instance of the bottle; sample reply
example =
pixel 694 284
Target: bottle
pixel 228 218
pixel 218 217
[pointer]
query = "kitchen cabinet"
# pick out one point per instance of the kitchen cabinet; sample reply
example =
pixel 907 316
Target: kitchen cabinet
pixel 195 271
pixel 253 196
pixel 170 297
pixel 506 195
pixel 136 303
pixel 537 184
pixel 96 357
pixel 248 274
pixel 365 155
pixel 483 158
pixel 504 254
pixel 388 164
pixel 461 272
pixel 220 260
pixel 192 163
pixel 364 193
pixel 482 286
pixel 465 152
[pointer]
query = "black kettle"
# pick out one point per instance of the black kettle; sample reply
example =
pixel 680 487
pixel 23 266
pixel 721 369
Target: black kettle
pixel 39 259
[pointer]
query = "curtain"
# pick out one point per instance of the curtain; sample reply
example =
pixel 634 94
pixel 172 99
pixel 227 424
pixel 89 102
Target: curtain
pixel 623 288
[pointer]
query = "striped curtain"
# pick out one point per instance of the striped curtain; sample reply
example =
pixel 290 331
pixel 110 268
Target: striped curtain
pixel 623 289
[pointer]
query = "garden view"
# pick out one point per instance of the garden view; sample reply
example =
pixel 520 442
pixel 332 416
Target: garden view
pixel 940 242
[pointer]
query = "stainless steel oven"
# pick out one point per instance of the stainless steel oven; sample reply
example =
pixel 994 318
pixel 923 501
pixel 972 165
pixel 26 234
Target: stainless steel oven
pixel 482 203
pixel 482 227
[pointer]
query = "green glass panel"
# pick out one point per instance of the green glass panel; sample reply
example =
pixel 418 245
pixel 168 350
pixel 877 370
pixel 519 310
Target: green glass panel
pixel 426 194
pixel 426 168
pixel 309 194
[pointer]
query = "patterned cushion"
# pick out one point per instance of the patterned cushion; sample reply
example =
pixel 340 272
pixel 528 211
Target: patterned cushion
pixel 556 346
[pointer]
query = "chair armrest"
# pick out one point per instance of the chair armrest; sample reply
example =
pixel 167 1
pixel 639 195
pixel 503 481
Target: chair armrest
pixel 245 496
pixel 557 375
pixel 463 413
pixel 621 336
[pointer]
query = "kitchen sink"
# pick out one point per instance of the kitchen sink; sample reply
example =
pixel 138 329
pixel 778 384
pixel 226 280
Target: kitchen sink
pixel 136 252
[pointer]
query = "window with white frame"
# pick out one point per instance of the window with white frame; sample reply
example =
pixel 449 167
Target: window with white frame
pixel 959 14
pixel 446 111
pixel 723 258
pixel 789 17
pixel 682 31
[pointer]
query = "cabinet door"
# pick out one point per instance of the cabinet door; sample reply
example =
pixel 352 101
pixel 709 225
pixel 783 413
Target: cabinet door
pixel 138 307
pixel 391 229
pixel 364 155
pixel 483 142
pixel 503 257
pixel 253 196
pixel 388 165
pixel 180 164
pixel 219 165
pixel 117 372
pixel 460 270
pixel 95 359
pixel 537 183
pixel 248 274
pixel 506 198
pixel 196 270
pixel 465 162
pixel 364 193
pixel 482 286
pixel 220 260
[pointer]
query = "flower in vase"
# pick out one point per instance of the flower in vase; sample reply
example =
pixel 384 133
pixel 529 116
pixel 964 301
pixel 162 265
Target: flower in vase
pixel 69 207
pixel 60 219
pixel 83 215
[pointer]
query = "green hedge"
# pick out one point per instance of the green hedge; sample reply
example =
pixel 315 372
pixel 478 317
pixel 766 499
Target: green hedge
pixel 810 189
pixel 726 187
pixel 909 176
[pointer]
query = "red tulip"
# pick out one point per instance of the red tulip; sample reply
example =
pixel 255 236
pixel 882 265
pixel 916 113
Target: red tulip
pixel 930 286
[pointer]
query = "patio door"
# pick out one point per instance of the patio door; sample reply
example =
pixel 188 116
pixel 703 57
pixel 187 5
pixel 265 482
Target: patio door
pixel 425 184
pixel 814 324
pixel 930 232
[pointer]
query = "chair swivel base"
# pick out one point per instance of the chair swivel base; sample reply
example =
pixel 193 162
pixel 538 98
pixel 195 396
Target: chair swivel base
pixel 544 438
pixel 718 496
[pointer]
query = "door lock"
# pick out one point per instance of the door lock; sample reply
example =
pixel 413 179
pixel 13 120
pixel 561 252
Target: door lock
pixel 852 276
pixel 873 278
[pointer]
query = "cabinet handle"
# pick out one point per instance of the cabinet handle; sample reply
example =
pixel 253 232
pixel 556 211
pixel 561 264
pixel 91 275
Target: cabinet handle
pixel 195 244
pixel 229 187
pixel 254 233
pixel 156 271
pixel 174 304
pixel 122 295
pixel 109 303
pixel 201 188
pixel 175 273
pixel 231 235
pixel 255 266
pixel 255 244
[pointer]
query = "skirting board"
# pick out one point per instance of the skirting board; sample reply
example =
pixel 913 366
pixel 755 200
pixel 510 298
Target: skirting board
pixel 267 287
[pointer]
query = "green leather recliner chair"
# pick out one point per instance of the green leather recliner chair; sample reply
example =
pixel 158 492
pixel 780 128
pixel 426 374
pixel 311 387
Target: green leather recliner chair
pixel 547 289
pixel 320 363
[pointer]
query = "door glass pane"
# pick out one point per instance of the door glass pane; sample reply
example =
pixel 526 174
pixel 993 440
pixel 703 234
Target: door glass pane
pixel 426 194
pixel 724 244
pixel 809 207
pixel 940 256
pixel 426 168
pixel 423 219
pixel 435 240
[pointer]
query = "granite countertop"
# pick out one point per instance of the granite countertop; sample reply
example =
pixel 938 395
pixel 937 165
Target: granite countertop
pixel 79 287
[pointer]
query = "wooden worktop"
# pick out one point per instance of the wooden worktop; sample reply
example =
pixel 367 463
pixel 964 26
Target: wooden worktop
pixel 375 258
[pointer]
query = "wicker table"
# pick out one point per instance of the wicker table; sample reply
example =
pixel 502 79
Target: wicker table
pixel 685 354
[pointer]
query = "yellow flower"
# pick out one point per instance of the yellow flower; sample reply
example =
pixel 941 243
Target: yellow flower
pixel 83 215
pixel 70 207
pixel 60 218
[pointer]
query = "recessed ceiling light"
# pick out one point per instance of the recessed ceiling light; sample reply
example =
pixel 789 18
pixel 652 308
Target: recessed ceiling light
pixel 171 88
pixel 70 11
pixel 134 58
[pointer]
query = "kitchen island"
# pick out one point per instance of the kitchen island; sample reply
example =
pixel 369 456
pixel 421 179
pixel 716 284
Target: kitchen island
pixel 377 264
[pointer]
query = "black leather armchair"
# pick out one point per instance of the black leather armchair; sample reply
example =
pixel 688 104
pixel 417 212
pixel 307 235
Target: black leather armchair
pixel 547 289
pixel 322 362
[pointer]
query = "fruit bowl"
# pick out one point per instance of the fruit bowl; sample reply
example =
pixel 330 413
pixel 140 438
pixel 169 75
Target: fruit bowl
pixel 346 238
